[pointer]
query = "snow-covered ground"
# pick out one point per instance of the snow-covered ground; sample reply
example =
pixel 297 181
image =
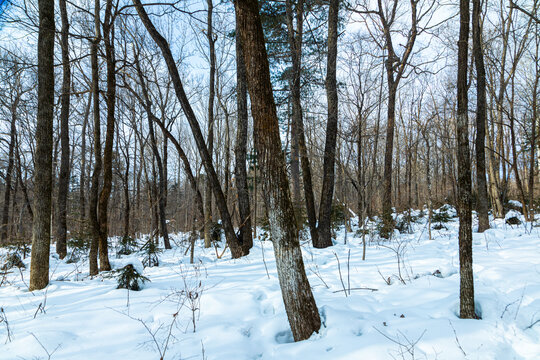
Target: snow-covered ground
pixel 238 313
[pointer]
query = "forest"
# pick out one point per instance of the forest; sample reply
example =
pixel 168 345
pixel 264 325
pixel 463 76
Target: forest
pixel 260 179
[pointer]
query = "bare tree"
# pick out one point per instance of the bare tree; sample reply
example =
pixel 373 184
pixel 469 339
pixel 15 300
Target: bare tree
pixel 39 268
pixel 466 298
pixel 299 302
pixel 232 240
pixel 327 192
pixel 63 180
pixel 481 118
pixel 240 149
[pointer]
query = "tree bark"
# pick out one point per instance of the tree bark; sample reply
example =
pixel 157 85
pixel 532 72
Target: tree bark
pixel 295 43
pixel 82 175
pixel 63 180
pixel 240 150
pixel 466 297
pixel 94 189
pixel 103 203
pixel 210 136
pixel 481 117
pixel 41 240
pixel 299 302
pixel 327 192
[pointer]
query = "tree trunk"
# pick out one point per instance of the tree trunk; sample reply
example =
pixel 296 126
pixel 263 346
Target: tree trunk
pixel 210 137
pixel 103 204
pixel 94 190
pixel 232 240
pixel 295 43
pixel 240 150
pixel 41 240
pixel 327 192
pixel 63 181
pixel 82 175
pixel 388 222
pixel 532 165
pixel 9 172
pixel 299 302
pixel 467 310
pixel 482 202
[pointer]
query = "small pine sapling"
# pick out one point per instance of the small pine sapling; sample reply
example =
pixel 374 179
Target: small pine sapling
pixel 129 278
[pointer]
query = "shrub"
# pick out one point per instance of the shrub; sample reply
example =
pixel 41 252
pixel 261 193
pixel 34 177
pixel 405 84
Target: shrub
pixel 215 231
pixel 127 245
pixel 337 217
pixel 150 251
pixel 514 220
pixel 129 278
pixel 12 260
pixel 441 216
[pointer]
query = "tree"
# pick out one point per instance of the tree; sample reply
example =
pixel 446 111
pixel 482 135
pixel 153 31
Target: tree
pixel 466 298
pixel 232 240
pixel 94 189
pixel 240 149
pixel 481 118
pixel 63 180
pixel 327 192
pixel 210 136
pixel 299 302
pixel 395 65
pixel 39 268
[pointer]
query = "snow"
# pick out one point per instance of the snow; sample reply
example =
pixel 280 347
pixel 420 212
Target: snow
pixel 134 261
pixel 238 310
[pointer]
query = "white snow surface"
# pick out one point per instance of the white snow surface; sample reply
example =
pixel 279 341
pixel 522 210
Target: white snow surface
pixel 239 313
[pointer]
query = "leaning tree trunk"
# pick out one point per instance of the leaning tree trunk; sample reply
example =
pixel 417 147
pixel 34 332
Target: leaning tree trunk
pixel 464 172
pixel 240 150
pixel 63 180
pixel 299 302
pixel 327 193
pixel 230 235
pixel 482 205
pixel 41 239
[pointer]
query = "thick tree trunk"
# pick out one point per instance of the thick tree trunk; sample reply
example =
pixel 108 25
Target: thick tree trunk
pixel 299 302
pixel 240 150
pixel 327 192
pixel 103 203
pixel 63 180
pixel 41 240
pixel 467 310
pixel 481 117
pixel 232 240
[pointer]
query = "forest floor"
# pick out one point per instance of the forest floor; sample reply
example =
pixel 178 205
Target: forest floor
pixel 232 309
